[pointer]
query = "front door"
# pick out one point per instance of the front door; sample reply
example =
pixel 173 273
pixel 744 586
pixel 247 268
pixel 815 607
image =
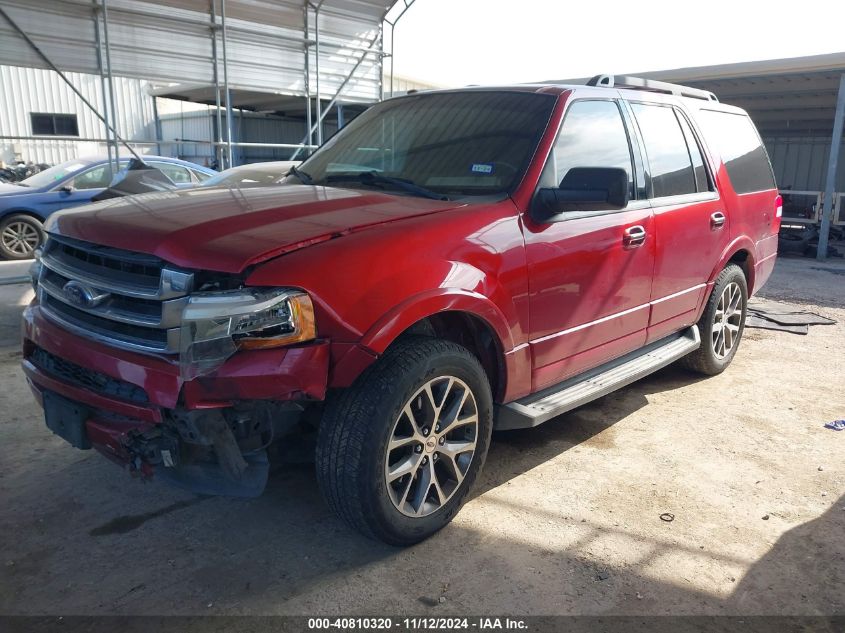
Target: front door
pixel 590 271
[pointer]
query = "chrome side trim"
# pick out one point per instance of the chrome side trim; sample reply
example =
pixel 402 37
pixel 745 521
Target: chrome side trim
pixel 617 314
pixel 678 294
pixel 583 326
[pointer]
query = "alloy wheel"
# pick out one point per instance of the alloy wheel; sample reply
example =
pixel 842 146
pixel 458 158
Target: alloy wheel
pixel 20 238
pixel 431 446
pixel 727 320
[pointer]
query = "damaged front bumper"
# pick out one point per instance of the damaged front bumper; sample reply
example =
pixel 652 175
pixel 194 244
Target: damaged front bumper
pixel 208 435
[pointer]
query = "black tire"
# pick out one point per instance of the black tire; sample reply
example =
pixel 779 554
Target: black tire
pixel 706 360
pixel 23 226
pixel 358 423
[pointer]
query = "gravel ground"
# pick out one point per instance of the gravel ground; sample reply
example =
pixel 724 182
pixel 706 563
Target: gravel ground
pixel 566 519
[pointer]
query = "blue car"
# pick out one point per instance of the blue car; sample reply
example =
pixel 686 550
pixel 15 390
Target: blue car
pixel 25 205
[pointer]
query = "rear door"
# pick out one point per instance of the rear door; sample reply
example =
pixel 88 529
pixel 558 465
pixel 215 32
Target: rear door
pixel 691 225
pixel 750 185
pixel 589 271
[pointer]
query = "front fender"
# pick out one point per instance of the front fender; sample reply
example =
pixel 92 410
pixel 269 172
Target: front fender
pixel 386 329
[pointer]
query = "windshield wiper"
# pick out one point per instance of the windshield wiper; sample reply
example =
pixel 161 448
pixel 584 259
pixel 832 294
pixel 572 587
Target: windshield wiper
pixel 305 178
pixel 375 178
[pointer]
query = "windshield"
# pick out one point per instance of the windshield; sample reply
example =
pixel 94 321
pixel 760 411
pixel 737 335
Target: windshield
pixel 55 173
pixel 454 144
pixel 252 176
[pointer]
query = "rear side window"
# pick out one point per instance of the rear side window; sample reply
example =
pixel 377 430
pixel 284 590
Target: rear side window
pixel 702 180
pixel 672 172
pixel 742 151
pixel 593 135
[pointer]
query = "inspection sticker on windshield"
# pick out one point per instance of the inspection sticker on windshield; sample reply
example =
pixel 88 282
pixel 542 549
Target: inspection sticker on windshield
pixel 482 168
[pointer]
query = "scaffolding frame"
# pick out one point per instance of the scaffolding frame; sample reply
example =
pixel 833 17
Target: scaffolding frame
pixel 224 141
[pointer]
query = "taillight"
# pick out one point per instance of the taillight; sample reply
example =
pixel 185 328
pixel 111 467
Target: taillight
pixel 778 206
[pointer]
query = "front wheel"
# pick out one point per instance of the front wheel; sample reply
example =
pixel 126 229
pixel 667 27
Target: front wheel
pixel 20 235
pixel 398 451
pixel 722 323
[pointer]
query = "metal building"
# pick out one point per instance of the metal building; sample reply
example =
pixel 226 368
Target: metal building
pixel 310 62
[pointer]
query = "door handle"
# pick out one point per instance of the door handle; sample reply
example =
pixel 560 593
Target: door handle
pixel 633 236
pixel 717 219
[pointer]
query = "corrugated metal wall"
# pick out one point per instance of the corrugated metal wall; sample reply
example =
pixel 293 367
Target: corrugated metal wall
pixel 247 127
pixel 172 43
pixel 28 90
pixel 800 163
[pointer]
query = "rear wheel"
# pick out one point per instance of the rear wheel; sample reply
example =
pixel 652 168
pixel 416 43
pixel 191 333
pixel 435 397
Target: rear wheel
pixel 20 235
pixel 399 450
pixel 722 323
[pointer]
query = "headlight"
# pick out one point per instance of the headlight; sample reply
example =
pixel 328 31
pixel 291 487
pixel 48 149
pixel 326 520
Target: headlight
pixel 217 324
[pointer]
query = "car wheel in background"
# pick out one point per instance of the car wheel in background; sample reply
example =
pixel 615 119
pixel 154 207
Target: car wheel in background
pixel 20 235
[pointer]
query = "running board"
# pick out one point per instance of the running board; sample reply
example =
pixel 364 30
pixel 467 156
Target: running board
pixel 565 396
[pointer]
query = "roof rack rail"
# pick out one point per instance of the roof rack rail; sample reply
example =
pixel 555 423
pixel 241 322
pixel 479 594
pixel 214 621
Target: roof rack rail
pixel 652 85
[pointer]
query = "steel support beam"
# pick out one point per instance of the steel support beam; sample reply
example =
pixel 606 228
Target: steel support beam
pixel 317 70
pixel 408 4
pixel 229 157
pixel 218 130
pixel 114 165
pixel 331 104
pixel 110 79
pixel 307 71
pixel 832 164
pixel 64 78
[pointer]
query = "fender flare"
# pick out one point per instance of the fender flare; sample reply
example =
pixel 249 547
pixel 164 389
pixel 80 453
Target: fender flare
pixel 386 329
pixel 741 243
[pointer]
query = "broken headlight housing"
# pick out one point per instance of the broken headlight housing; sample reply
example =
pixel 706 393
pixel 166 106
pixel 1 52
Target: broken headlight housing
pixel 217 324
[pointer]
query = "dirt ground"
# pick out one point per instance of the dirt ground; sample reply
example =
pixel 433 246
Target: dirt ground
pixel 566 519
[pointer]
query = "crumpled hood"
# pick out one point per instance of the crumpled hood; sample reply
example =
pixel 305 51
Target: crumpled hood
pixel 229 229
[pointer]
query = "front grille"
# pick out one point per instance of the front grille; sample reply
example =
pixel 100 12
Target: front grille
pixel 125 299
pixel 86 378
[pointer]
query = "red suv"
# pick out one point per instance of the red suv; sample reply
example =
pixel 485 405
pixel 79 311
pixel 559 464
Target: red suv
pixel 448 264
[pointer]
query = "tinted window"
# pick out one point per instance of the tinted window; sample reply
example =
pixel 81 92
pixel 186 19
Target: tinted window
pixel 742 151
pixel 201 176
pixel 54 124
pixel 668 157
pixel 702 180
pixel 593 135
pixel 176 173
pixel 96 178
pixel 462 143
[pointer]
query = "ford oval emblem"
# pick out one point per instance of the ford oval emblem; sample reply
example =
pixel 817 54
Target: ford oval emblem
pixel 78 294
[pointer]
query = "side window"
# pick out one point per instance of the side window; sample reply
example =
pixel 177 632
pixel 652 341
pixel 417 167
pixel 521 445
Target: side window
pixel 745 158
pixel 668 157
pixel 201 176
pixel 702 180
pixel 96 178
pixel 176 173
pixel 593 135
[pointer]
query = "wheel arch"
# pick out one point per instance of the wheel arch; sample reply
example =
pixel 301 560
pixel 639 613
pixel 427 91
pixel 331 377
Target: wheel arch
pixel 22 211
pixel 742 253
pixel 463 317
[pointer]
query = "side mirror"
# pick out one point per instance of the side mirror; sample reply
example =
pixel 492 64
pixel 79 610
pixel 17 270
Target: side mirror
pixel 583 189
pixel 66 189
